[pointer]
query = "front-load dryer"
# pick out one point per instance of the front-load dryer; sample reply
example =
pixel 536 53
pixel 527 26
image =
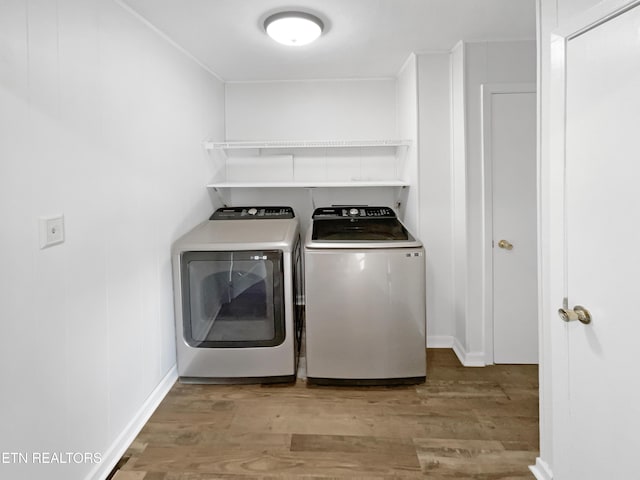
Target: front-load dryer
pixel 237 278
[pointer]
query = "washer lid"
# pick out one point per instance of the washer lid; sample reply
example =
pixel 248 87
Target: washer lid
pixel 360 229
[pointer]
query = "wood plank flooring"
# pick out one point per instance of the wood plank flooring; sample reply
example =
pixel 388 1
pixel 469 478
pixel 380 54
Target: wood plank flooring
pixel 463 423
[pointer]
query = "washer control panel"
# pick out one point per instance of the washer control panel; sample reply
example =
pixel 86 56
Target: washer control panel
pixel 252 213
pixel 353 211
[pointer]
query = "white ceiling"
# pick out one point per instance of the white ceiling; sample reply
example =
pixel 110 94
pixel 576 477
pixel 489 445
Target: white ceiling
pixel 363 38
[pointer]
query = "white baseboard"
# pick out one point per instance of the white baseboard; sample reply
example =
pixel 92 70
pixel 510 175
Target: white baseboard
pixel 468 359
pixel 541 470
pixel 439 341
pixel 121 443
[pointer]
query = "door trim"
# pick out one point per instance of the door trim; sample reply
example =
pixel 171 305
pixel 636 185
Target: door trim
pixel 592 18
pixel 487 91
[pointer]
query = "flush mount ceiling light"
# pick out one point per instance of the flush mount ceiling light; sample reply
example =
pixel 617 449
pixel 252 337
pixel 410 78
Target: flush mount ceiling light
pixel 293 28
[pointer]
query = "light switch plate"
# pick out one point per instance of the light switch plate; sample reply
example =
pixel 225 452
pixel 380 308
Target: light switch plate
pixel 51 230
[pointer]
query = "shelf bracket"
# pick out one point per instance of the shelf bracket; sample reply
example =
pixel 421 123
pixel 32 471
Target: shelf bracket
pixel 400 198
pixel 312 198
pixel 220 196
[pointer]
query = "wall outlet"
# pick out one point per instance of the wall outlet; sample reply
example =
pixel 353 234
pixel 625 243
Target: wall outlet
pixel 51 231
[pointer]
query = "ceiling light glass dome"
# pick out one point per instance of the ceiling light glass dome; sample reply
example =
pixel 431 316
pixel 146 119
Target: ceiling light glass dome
pixel 293 28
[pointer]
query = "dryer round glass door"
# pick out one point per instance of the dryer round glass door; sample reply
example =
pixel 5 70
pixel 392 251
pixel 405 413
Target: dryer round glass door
pixel 232 299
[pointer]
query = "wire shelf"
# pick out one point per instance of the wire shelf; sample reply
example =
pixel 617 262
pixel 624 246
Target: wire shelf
pixel 238 145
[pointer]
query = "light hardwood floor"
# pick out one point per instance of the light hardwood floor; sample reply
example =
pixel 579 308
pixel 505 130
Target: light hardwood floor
pixel 463 423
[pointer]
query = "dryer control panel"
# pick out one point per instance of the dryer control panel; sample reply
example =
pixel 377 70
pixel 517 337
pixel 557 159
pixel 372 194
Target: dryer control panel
pixel 353 211
pixel 251 213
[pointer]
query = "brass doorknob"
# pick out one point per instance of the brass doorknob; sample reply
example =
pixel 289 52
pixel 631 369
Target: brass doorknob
pixel 505 244
pixel 577 313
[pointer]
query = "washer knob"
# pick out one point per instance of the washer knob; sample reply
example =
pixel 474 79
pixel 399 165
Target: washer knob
pixel 252 211
pixel 353 211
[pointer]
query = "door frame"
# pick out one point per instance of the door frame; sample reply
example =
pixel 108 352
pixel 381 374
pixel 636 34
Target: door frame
pixel 554 372
pixel 487 91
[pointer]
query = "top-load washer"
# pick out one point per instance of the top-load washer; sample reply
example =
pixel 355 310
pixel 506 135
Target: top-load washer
pixel 365 298
pixel 237 277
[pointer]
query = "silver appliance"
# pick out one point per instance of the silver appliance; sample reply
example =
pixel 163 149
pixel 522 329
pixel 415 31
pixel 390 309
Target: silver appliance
pixel 237 278
pixel 365 293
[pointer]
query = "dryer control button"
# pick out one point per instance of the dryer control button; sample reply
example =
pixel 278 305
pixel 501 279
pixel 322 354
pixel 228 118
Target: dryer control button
pixel 252 211
pixel 354 211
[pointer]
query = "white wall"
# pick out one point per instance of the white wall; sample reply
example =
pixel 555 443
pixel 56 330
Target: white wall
pixel 407 108
pixel 459 193
pixel 484 63
pixel 362 109
pixel 436 206
pixel 547 11
pixel 311 110
pixel 100 120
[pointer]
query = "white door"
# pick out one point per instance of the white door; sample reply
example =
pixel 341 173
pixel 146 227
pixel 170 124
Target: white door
pixel 600 434
pixel 510 158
